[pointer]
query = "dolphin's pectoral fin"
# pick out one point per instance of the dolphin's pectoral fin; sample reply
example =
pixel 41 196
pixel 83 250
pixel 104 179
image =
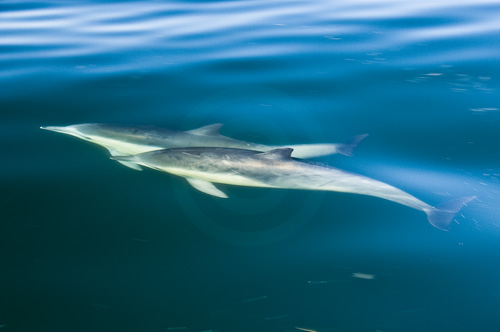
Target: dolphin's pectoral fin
pixel 129 164
pixel 210 130
pixel 206 187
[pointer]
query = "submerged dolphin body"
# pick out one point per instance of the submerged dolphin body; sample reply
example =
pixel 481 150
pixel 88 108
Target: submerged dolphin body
pixel 277 169
pixel 126 140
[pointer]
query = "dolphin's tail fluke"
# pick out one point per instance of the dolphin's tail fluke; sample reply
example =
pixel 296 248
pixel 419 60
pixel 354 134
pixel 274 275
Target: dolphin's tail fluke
pixel 347 148
pixel 442 215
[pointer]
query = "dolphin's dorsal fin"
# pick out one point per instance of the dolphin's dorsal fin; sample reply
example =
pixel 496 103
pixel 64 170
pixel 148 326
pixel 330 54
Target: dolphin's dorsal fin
pixel 210 130
pixel 206 187
pixel 277 154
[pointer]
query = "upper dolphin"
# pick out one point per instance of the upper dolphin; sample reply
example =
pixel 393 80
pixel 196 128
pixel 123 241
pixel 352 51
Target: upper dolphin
pixel 277 169
pixel 123 140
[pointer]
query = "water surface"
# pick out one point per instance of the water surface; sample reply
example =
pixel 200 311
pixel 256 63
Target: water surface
pixel 89 245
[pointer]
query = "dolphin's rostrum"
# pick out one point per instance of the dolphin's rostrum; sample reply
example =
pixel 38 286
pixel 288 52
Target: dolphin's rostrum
pixel 204 166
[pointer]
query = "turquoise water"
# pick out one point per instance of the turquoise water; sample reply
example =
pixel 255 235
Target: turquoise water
pixel 89 245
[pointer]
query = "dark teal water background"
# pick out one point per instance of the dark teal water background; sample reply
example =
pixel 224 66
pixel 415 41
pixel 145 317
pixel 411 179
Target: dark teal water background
pixel 89 245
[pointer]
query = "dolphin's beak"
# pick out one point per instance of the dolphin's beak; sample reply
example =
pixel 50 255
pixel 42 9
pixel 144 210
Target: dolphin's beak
pixel 69 130
pixel 56 129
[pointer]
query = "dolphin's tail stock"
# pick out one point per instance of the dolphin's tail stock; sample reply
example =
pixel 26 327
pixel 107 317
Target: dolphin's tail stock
pixel 442 215
pixel 305 151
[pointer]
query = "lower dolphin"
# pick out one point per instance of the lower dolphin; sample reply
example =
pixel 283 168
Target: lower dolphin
pixel 277 169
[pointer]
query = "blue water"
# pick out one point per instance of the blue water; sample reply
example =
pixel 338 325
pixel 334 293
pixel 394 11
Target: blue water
pixel 89 245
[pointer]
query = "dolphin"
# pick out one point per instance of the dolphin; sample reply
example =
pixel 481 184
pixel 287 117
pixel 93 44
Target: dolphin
pixel 121 140
pixel 277 169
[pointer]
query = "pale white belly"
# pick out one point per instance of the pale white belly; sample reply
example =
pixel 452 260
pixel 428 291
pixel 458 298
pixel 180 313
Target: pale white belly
pixel 122 148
